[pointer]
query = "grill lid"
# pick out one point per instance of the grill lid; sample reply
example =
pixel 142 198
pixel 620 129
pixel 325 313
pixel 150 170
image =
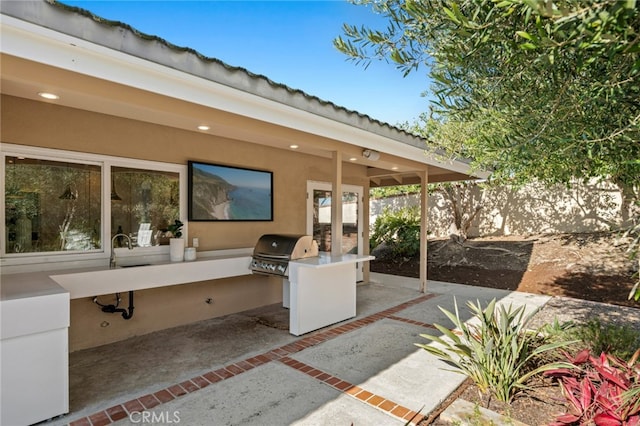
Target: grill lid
pixel 283 246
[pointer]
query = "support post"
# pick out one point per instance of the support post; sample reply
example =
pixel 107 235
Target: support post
pixel 336 205
pixel 366 215
pixel 424 204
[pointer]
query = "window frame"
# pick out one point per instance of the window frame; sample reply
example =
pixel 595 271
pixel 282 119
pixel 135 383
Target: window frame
pixel 105 162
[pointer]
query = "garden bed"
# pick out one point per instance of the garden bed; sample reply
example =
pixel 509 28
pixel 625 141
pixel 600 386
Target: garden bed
pixel 574 268
pixel 583 266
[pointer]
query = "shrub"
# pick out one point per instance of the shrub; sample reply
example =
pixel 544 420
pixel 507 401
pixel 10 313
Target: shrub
pixel 618 340
pixel 634 251
pixel 602 390
pixel 399 229
pixel 498 353
pixel 557 331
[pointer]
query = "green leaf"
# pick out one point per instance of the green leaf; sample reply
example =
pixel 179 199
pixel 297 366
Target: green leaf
pixel 524 34
pixel 451 15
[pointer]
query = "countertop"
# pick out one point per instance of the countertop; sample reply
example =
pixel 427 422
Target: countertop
pixel 28 284
pixel 325 260
pixel 94 281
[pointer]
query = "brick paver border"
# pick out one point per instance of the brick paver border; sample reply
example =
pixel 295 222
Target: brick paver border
pixel 280 354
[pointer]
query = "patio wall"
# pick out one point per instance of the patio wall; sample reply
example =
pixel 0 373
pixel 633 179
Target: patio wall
pixel 532 209
pixel 40 124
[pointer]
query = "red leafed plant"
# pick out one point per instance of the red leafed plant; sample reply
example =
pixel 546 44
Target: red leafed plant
pixel 600 390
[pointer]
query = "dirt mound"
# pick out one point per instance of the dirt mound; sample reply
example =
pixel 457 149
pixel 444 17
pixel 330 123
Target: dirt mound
pixel 584 266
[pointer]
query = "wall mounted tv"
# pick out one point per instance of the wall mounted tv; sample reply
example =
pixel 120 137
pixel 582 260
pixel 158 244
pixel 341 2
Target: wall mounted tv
pixel 225 193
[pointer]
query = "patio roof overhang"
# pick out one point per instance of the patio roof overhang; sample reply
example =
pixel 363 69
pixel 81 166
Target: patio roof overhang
pixel 106 67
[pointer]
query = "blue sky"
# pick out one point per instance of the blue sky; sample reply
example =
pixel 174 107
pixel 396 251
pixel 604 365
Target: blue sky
pixel 238 177
pixel 288 41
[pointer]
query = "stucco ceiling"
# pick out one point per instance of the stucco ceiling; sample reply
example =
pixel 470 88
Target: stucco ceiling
pixel 26 79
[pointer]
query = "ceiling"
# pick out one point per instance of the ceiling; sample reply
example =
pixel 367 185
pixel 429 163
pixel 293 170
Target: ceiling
pixel 26 79
pixel 150 81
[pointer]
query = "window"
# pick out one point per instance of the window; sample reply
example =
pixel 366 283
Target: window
pixel 58 202
pixel 143 204
pixel 51 206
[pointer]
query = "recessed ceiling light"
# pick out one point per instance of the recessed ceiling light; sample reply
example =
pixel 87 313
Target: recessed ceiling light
pixel 352 159
pixel 203 127
pixel 293 146
pixel 394 168
pixel 48 95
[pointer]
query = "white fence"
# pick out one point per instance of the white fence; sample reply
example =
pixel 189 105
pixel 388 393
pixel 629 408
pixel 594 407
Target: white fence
pixel 532 209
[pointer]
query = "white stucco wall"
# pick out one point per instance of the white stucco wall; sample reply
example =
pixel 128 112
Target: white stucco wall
pixel 532 209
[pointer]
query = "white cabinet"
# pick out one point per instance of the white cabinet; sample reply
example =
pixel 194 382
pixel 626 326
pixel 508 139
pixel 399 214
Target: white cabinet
pixel 320 291
pixel 34 351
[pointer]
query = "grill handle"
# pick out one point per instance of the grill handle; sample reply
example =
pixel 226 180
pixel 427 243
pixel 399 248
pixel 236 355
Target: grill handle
pixel 272 256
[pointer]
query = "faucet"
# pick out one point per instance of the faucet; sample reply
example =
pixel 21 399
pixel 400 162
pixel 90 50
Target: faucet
pixel 112 260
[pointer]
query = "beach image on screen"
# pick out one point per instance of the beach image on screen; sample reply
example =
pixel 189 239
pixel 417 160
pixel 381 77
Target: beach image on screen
pixel 229 193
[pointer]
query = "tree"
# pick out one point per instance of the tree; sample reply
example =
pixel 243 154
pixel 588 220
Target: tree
pixel 465 202
pixel 549 87
pixel 532 89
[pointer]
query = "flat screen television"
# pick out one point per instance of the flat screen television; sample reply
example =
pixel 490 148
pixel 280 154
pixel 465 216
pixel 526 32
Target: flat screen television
pixel 219 192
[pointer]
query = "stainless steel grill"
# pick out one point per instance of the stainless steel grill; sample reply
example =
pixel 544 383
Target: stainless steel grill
pixel 273 252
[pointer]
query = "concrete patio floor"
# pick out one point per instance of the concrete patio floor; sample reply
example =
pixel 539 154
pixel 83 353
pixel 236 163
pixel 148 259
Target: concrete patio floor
pixel 246 369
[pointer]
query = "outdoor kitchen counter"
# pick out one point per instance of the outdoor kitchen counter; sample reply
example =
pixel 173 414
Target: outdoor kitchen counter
pixel 158 274
pixel 133 273
pixel 321 291
pixel 35 313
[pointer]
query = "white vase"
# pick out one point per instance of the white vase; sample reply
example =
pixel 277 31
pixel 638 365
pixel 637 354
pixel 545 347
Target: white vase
pixel 176 249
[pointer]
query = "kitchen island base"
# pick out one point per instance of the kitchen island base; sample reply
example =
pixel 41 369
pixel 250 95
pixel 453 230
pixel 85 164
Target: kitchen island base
pixel 34 351
pixel 321 291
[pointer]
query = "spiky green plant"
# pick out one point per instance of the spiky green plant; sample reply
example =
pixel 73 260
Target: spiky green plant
pixel 497 353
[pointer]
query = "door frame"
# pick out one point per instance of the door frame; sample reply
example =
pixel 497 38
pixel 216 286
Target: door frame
pixel 326 186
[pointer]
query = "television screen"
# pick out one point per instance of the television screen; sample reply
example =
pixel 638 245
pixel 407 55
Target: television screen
pixel 219 192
